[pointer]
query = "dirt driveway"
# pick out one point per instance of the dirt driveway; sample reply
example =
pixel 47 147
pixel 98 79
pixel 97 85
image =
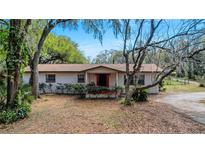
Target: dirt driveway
pixel 68 114
pixel 189 104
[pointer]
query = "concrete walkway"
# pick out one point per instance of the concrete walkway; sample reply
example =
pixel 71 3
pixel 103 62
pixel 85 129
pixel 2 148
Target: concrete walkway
pixel 188 104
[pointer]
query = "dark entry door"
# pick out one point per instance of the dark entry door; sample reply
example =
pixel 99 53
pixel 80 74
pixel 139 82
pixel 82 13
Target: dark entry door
pixel 103 80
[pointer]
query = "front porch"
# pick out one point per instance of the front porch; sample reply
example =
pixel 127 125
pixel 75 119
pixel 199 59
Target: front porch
pixel 107 80
pixel 103 77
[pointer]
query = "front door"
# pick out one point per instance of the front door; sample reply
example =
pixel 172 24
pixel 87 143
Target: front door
pixel 103 80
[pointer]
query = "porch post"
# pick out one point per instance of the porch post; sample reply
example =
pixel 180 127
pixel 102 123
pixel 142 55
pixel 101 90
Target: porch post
pixel 116 78
pixel 86 78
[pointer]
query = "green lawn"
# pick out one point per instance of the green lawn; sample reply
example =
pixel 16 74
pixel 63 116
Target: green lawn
pixel 176 86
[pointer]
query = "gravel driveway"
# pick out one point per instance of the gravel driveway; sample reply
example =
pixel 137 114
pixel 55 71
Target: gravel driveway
pixel 190 104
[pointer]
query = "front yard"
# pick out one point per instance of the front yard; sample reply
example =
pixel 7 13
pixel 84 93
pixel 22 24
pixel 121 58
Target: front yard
pixel 68 114
pixel 177 86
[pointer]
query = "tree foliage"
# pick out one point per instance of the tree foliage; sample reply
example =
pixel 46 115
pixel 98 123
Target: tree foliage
pixel 60 49
pixel 90 26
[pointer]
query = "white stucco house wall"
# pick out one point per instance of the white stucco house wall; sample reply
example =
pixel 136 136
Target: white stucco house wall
pixel 107 75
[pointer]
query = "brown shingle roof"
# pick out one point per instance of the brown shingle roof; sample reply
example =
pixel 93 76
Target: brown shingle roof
pixel 84 67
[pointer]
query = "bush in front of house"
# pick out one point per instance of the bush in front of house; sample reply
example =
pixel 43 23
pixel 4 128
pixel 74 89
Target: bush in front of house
pixel 98 90
pixel 43 87
pixel 80 89
pixel 50 85
pixel 60 88
pixel 118 89
pixel 21 108
pixel 93 89
pixel 201 80
pixel 68 88
pixel 140 95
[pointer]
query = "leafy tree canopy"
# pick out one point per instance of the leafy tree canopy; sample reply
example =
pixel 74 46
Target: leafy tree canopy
pixel 60 49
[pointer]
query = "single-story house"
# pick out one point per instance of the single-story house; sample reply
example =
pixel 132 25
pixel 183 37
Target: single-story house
pixel 106 75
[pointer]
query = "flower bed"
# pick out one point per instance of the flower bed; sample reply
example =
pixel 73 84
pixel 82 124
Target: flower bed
pixel 88 91
pixel 102 92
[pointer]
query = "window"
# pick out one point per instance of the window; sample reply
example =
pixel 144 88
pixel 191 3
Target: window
pixel 50 78
pixel 141 80
pixel 81 78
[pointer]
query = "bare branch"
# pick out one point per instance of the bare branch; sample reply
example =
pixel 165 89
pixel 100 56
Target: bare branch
pixel 126 36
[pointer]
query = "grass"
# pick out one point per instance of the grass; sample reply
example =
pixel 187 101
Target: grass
pixel 176 86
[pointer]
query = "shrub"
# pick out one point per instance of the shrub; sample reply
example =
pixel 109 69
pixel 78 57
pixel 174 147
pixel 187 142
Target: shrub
pixel 22 110
pixel 19 112
pixel 68 87
pixel 24 94
pixel 42 87
pixel 140 95
pixel 24 99
pixel 92 84
pixel 118 89
pixel 91 88
pixel 11 115
pixel 161 86
pixel 60 88
pixel 21 106
pixel 201 85
pixel 79 89
pixel 8 116
pixel 50 85
pixel 201 80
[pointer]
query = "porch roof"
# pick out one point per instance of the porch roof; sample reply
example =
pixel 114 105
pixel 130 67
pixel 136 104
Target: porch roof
pixel 146 68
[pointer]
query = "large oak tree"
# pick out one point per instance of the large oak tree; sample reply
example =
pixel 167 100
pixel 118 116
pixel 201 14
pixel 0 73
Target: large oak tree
pixel 181 40
pixel 17 32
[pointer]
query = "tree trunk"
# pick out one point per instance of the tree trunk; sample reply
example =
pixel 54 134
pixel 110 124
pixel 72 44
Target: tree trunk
pixel 34 78
pixel 127 91
pixel 13 61
pixel 127 84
